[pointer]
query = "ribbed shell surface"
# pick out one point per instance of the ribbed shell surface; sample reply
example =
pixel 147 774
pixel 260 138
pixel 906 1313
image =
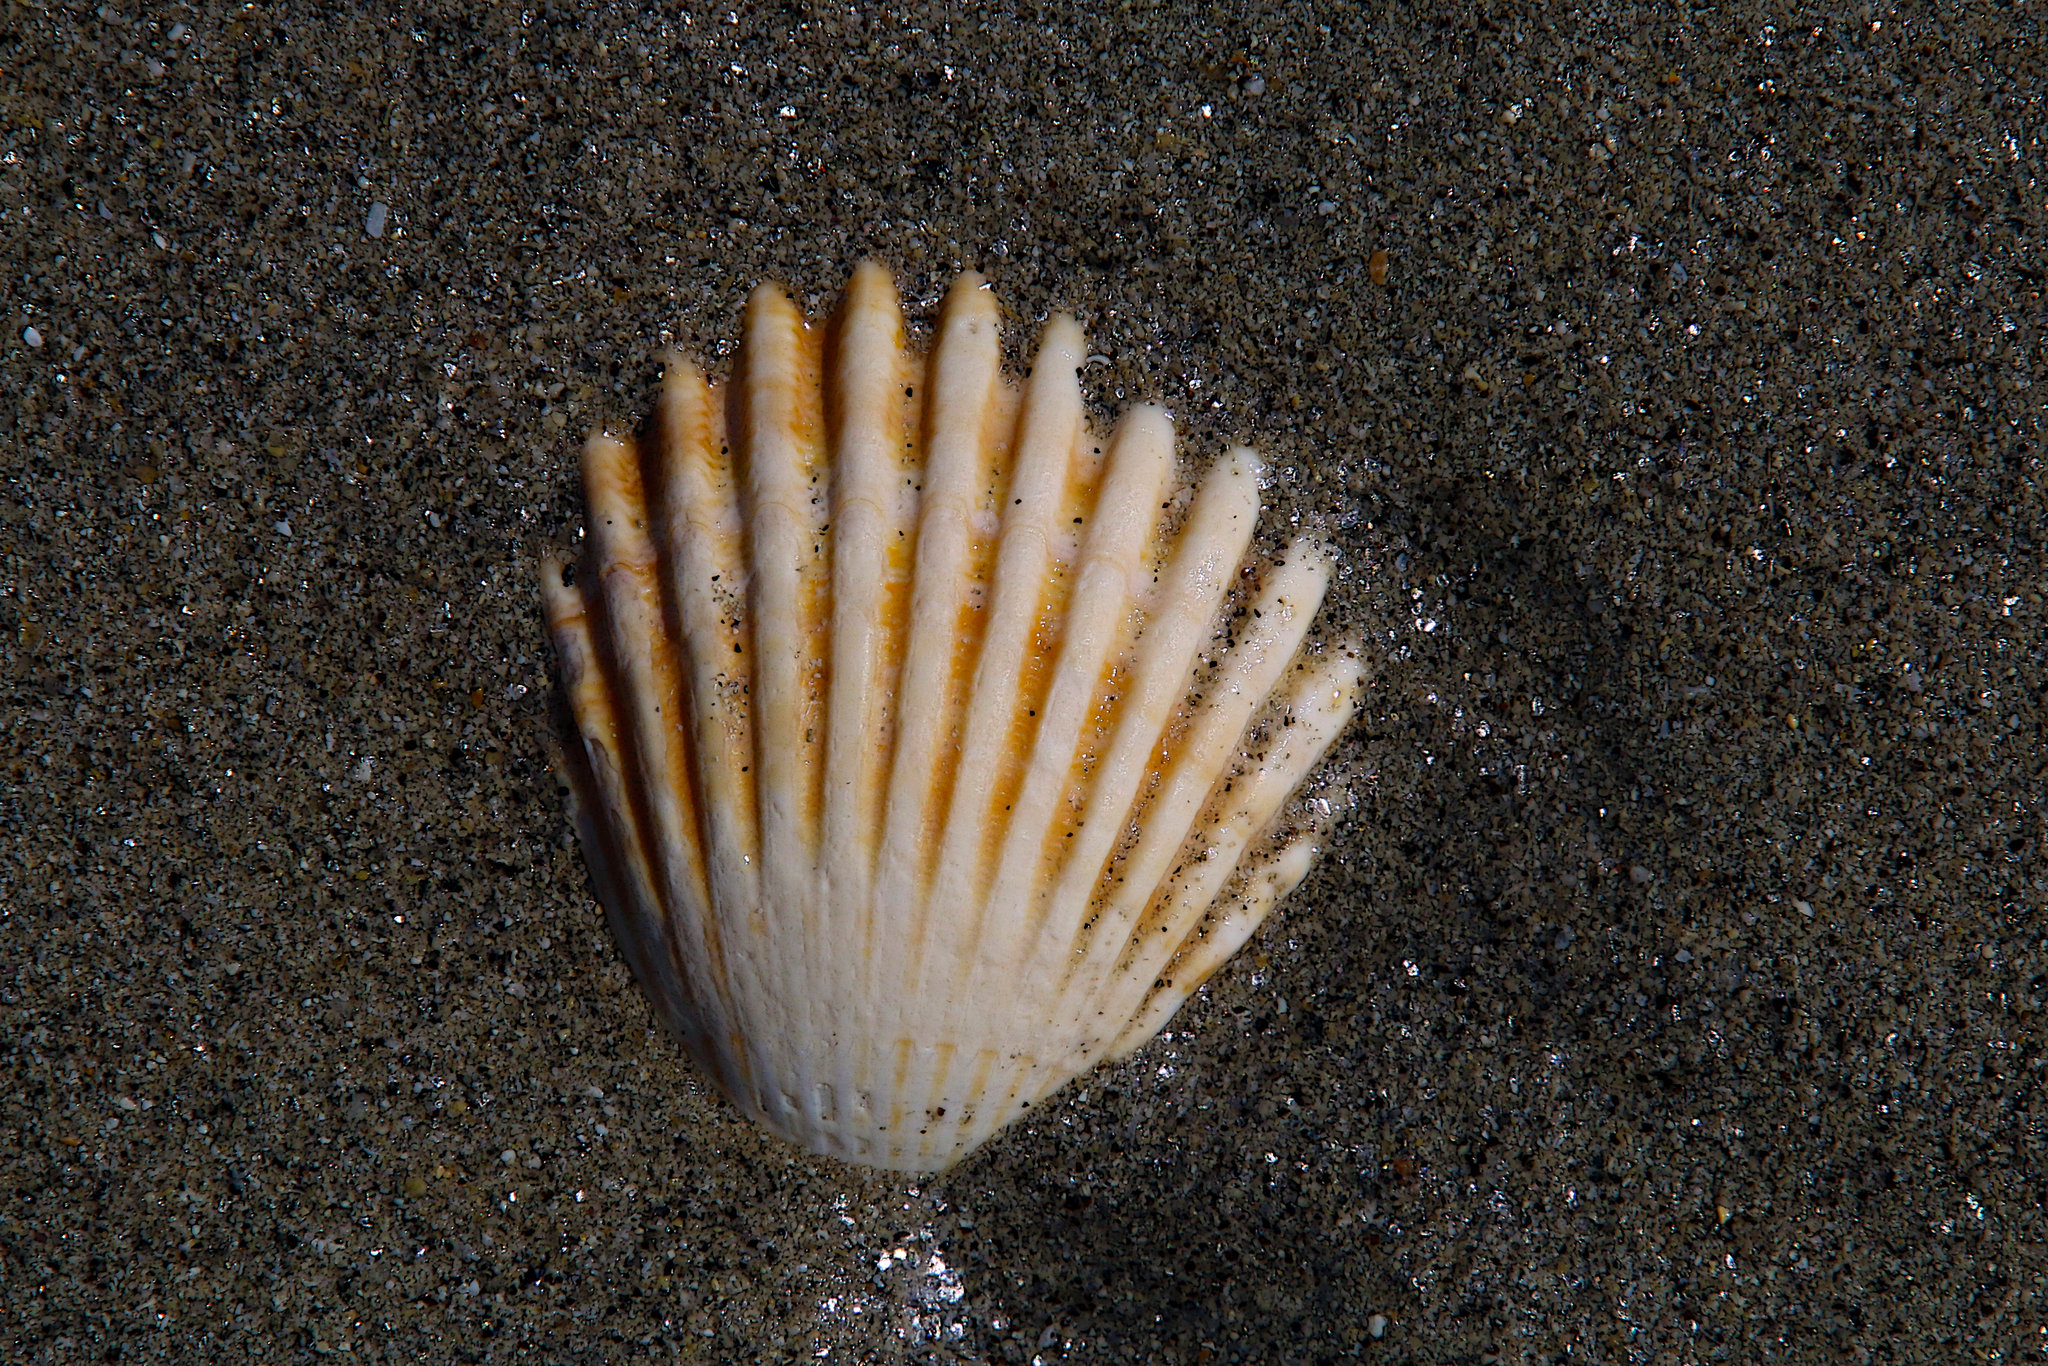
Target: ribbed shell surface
pixel 928 749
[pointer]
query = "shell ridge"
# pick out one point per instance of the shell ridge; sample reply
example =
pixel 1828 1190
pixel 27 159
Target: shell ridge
pixel 1047 425
pixel 1122 520
pixel 1199 569
pixel 942 642
pixel 620 615
pixel 1320 707
pixel 1256 886
pixel 771 428
pixel 959 1124
pixel 1247 674
pixel 999 712
pixel 930 1114
pixel 646 688
pixel 962 371
pixel 643 645
pixel 866 419
pixel 1058 481
pixel 1240 812
pixel 706 534
pixel 636 905
pixel 588 724
pixel 692 523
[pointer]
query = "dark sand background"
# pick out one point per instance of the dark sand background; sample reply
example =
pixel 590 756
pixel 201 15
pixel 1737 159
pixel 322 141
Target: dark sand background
pixel 1673 993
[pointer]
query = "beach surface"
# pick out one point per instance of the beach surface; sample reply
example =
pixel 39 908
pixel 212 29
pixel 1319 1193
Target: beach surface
pixel 1671 388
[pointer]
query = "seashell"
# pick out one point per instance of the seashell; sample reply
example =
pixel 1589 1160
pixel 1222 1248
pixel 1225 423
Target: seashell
pixel 930 751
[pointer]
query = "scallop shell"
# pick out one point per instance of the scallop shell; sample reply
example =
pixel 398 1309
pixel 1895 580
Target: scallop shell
pixel 931 752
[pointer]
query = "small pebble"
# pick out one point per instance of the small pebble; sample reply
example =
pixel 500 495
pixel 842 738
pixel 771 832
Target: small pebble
pixel 1377 1325
pixel 31 336
pixel 379 211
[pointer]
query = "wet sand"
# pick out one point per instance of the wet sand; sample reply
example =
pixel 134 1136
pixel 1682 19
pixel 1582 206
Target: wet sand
pixel 1672 389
